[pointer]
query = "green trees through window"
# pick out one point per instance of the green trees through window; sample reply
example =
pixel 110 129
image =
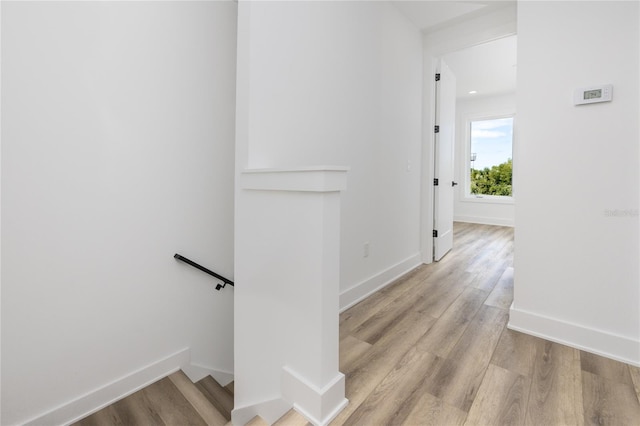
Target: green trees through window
pixel 491 165
pixel 493 181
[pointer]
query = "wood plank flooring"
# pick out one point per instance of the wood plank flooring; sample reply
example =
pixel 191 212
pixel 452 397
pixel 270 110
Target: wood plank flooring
pixel 161 403
pixel 433 349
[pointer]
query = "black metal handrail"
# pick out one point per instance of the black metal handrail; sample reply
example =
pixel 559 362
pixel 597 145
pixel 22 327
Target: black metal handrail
pixel 203 269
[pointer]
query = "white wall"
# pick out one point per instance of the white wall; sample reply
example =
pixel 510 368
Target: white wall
pixel 466 209
pixel 576 267
pixel 382 147
pixel 117 152
pixel 336 83
pixel 340 84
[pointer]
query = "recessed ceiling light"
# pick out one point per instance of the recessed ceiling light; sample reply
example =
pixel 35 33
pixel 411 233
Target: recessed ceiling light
pixel 473 92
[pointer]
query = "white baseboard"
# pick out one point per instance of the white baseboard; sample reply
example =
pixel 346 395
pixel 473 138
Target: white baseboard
pixel 97 399
pixel 197 372
pixel 608 345
pixel 329 417
pixel 499 221
pixel 270 411
pixel 319 406
pixel 108 394
pixel 365 288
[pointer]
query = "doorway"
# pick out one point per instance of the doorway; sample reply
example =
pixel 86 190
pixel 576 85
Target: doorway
pixel 484 139
pixel 485 72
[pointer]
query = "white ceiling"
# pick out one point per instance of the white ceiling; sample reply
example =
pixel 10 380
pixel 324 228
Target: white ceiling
pixel 488 68
pixel 427 14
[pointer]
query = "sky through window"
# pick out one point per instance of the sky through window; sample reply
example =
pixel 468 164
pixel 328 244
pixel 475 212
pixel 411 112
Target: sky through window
pixel 491 141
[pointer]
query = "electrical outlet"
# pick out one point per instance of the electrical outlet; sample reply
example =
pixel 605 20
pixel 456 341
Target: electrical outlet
pixel 366 249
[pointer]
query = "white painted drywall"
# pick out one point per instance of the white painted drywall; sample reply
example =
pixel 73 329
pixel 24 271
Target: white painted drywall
pixel 333 83
pixel 467 209
pixel 576 265
pixel 117 152
pixel 339 84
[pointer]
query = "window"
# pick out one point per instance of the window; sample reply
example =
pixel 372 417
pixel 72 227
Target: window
pixel 490 157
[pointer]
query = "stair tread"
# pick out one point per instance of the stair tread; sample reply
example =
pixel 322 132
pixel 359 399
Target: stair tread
pixel 170 401
pixel 219 396
pixel 292 418
pixel 257 421
pixel 198 400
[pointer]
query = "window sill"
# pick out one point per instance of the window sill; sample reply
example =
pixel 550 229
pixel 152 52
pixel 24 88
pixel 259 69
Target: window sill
pixel 488 199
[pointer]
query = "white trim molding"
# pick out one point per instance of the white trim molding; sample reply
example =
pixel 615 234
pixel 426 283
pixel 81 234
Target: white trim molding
pixel 196 372
pixel 122 387
pixel 89 403
pixel 309 179
pixel 366 288
pixel 499 221
pixel 270 411
pixel 588 339
pixel 319 406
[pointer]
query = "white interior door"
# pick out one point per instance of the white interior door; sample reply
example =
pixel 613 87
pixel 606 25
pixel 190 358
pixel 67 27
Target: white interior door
pixel 443 167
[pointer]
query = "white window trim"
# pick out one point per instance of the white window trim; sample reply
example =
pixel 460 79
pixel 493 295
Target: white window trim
pixel 467 196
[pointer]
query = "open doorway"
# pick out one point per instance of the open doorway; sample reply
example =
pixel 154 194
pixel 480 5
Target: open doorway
pixel 485 122
pixel 449 27
pixel 474 109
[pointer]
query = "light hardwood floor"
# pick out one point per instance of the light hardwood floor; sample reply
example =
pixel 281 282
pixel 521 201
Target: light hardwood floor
pixel 433 349
pixel 172 401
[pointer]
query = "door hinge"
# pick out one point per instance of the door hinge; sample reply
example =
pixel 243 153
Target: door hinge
pixel 436 129
pixel 435 233
pixel 437 76
pixel 435 181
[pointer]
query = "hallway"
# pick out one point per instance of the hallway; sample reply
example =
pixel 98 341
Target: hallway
pixel 433 349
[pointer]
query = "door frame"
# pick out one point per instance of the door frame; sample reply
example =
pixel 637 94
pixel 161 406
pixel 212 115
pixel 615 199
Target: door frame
pixel 493 26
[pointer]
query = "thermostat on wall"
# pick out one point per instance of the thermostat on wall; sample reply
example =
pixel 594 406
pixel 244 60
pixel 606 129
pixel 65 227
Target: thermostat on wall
pixel 593 94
